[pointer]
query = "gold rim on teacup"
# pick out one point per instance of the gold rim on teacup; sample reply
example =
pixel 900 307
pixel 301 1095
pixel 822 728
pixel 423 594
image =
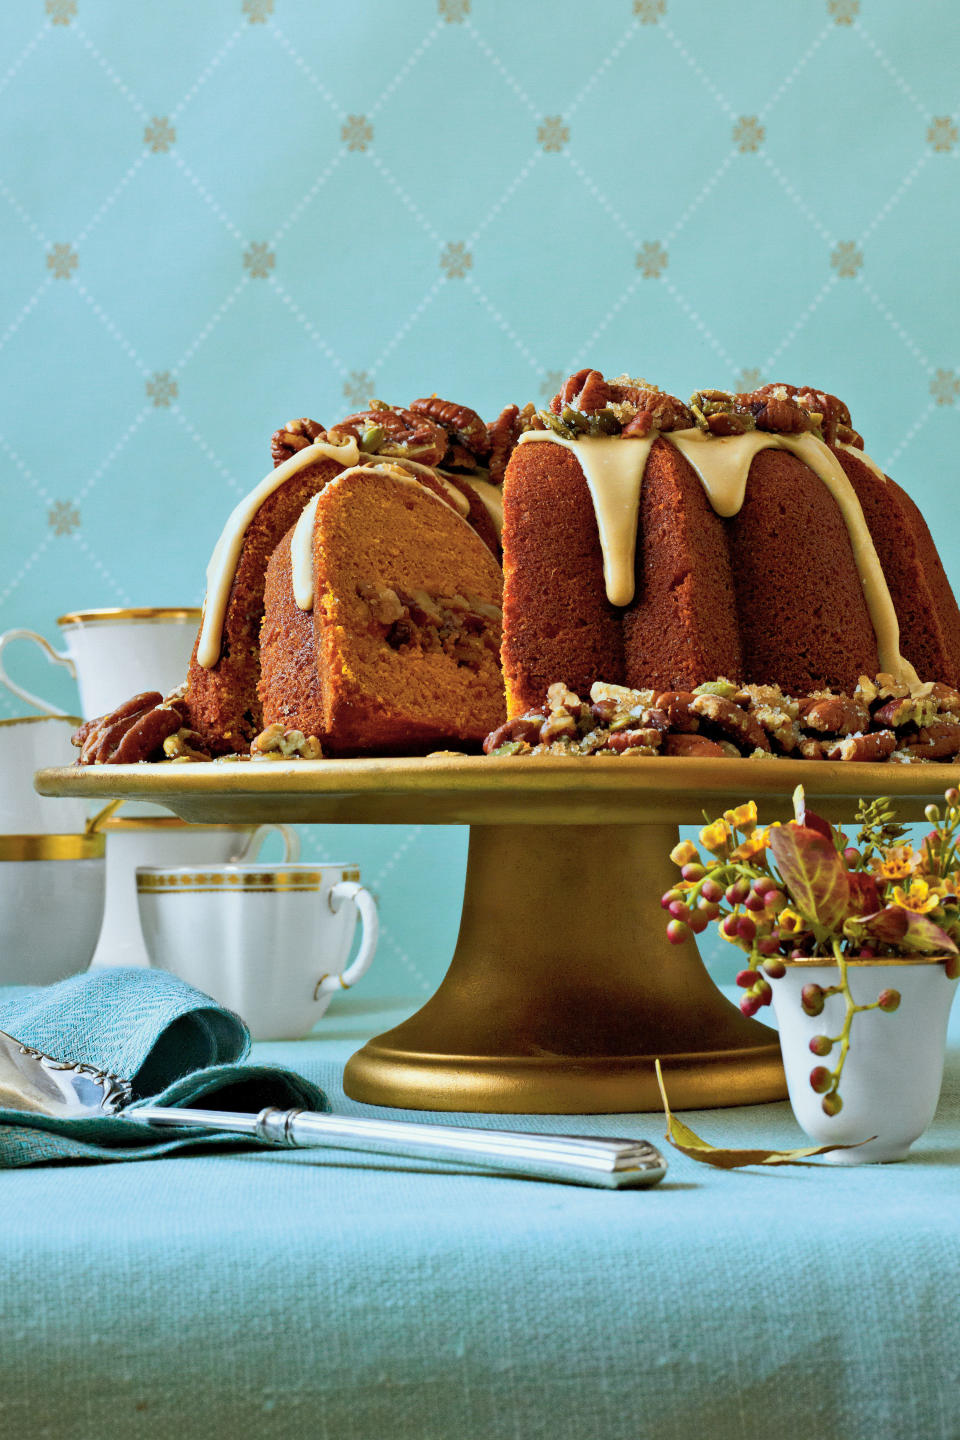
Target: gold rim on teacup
pixel 73 720
pixel 228 879
pixel 136 614
pixel 53 847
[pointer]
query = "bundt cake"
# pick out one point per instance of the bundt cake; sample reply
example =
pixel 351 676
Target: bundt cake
pixel 652 544
pixel 381 627
pixel 446 448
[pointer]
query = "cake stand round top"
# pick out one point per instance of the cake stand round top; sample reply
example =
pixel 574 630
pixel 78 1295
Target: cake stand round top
pixel 476 790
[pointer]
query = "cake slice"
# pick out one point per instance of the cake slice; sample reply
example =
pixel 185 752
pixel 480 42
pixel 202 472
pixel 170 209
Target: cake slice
pixel 392 642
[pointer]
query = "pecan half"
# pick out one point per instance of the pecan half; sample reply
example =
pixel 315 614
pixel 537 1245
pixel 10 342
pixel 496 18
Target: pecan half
pixel 875 746
pixel 693 745
pixel 462 423
pixel 937 741
pixel 732 722
pixel 833 715
pixel 133 732
pixel 295 435
pixel 391 430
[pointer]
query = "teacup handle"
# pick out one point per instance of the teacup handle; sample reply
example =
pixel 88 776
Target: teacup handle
pixel 55 657
pixel 364 902
pixel 291 843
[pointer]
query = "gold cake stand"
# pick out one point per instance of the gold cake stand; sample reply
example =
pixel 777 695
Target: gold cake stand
pixel 563 988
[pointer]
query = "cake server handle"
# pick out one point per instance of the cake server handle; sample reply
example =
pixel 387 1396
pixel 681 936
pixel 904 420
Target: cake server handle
pixel 611 1164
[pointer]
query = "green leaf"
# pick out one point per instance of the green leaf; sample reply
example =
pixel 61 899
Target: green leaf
pixel 814 874
pixel 926 936
pixel 682 1138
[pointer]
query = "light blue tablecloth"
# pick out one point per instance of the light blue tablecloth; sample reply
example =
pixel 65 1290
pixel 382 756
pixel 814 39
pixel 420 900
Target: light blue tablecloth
pixel 328 1296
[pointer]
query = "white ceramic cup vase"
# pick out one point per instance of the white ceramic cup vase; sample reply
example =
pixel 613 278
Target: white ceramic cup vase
pixel 113 654
pixel 267 941
pixel 891 1078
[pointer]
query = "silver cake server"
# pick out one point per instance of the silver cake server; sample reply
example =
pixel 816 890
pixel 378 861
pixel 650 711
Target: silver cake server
pixel 31 1081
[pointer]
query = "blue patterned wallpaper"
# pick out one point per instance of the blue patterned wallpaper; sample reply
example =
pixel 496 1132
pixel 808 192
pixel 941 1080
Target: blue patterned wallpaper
pixel 219 214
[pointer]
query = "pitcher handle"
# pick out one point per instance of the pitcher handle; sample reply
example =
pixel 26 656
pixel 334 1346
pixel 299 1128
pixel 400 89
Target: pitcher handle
pixel 364 903
pixel 55 657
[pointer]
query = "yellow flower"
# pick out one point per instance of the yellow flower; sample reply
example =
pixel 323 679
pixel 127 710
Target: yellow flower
pixel 685 853
pixel 743 818
pixel 790 923
pixel 752 845
pixel 897 864
pixel 919 898
pixel 716 837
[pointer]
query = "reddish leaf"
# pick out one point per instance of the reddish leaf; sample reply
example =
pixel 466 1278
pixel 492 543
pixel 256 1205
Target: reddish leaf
pixel 864 895
pixel 908 930
pixel 807 818
pixel 815 876
pixel 888 926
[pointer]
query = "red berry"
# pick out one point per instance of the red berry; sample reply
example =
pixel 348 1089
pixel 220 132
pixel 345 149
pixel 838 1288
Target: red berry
pixel 677 932
pixel 698 922
pixel 775 969
pixel 775 900
pixel 737 892
pixel 811 998
pixel 755 901
pixel 728 927
pixel 711 891
pixel 678 910
pixel 820 1079
pixel 749 1004
pixel 708 908
pixel 831 1104
pixel 769 946
pixel 889 1000
pixel 952 796
pixel 745 978
pixel 763 992
pixel 821 1045
pixel 693 872
pixel 746 930
pixel 852 856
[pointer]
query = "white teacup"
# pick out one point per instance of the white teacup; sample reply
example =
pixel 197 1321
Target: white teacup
pixel 162 841
pixel 51 901
pixel 267 941
pixel 26 744
pixel 113 654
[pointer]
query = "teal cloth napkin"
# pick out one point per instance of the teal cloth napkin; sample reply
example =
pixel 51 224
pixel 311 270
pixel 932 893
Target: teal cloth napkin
pixel 175 1045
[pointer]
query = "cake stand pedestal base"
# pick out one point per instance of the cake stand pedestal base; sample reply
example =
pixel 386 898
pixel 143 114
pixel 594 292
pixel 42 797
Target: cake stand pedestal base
pixel 563 990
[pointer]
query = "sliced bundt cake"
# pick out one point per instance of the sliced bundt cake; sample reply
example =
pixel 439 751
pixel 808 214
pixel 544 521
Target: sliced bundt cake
pixel 381 629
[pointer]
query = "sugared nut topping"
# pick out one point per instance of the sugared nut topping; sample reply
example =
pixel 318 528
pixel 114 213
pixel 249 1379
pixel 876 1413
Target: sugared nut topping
pixel 278 743
pixel 295 435
pixel 133 732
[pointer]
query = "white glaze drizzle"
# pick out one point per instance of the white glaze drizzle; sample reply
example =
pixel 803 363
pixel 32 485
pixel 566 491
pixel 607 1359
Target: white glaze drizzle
pixel 722 465
pixel 301 541
pixel 862 455
pixel 613 469
pixel 226 552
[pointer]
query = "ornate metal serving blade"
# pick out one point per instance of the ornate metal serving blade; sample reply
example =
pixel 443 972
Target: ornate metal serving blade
pixel 30 1080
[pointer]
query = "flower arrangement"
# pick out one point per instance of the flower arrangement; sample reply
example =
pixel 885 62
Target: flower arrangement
pixel 800 890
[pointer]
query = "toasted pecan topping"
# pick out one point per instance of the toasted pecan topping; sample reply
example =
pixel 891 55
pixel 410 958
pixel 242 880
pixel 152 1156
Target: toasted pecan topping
pixel 462 424
pixel 134 731
pixel 503 434
pixel 295 435
pixel 390 430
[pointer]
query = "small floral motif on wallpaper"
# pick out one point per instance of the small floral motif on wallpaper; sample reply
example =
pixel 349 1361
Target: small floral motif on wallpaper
pixel 356 132
pixel 62 261
pixel 162 388
pixel 748 134
pixel 553 134
pixel 159 135
pixel 942 134
pixel 258 260
pixel 63 517
pixel 945 386
pixel 455 260
pixel 652 260
pixel 846 258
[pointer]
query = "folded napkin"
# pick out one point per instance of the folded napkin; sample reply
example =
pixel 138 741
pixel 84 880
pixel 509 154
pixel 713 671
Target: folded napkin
pixel 175 1045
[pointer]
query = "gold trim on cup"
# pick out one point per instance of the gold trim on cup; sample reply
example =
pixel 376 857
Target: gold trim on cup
pixel 52 847
pixel 208 882
pixel 74 720
pixel 144 614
